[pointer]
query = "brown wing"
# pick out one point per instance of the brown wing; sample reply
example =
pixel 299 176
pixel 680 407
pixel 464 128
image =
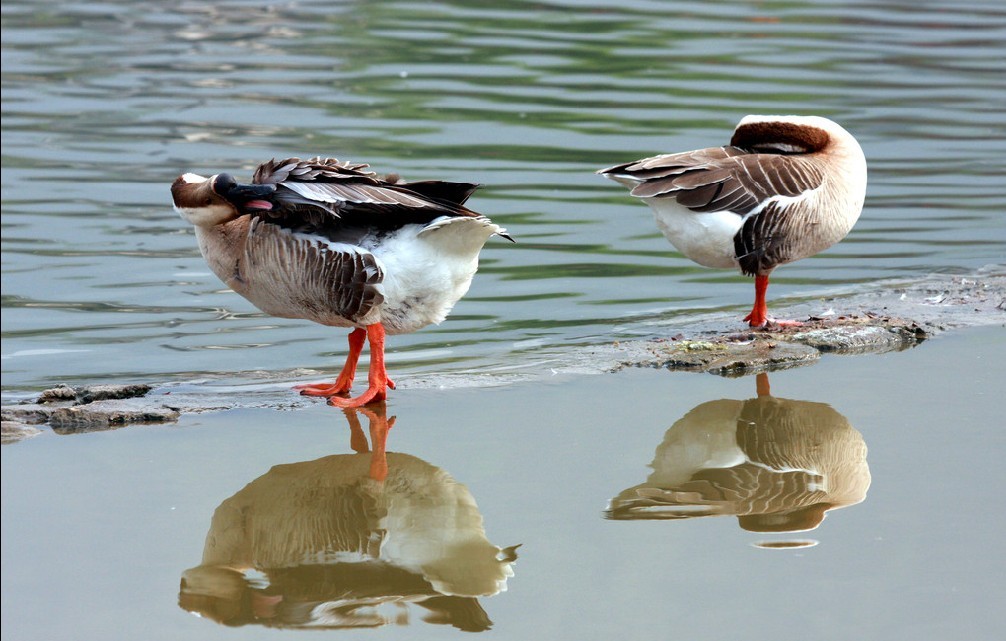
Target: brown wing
pixel 315 169
pixel 719 178
pixel 312 276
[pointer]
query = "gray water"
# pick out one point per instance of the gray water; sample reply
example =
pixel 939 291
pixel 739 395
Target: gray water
pixel 101 529
pixel 104 104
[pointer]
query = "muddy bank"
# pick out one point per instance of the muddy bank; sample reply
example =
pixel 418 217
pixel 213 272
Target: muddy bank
pixel 892 316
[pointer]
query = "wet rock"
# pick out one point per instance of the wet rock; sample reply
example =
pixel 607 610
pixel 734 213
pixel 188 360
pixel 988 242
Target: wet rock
pixel 69 410
pixel 94 393
pixel 776 347
pixel 91 393
pixel 861 339
pixel 60 393
pixel 29 414
pixel 728 359
pixel 110 414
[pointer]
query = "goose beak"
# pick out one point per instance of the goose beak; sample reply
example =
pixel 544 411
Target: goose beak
pixel 243 196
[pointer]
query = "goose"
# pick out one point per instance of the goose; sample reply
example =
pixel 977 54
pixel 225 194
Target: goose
pixel 785 188
pixel 331 242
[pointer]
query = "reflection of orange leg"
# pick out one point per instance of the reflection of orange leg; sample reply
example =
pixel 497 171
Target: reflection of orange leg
pixel 377 376
pixel 357 439
pixel 761 383
pixel 377 414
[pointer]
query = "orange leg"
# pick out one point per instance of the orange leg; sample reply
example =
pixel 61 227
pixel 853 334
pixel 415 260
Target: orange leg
pixel 344 382
pixel 761 384
pixel 377 377
pixel 759 313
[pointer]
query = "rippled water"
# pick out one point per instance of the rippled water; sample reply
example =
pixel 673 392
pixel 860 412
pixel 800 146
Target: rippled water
pixel 105 103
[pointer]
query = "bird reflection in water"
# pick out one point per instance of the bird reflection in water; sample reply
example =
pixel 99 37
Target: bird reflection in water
pixel 776 464
pixel 348 541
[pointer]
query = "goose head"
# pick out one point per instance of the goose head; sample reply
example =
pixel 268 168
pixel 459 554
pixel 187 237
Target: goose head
pixel 206 202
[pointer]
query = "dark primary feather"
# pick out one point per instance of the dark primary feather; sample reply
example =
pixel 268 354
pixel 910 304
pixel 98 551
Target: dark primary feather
pixel 329 196
pixel 441 191
pixel 342 200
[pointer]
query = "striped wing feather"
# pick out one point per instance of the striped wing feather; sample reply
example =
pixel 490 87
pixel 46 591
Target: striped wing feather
pixel 327 280
pixel 731 179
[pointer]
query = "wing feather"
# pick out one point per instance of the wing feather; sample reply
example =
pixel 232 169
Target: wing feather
pixel 719 178
pixel 325 195
pixel 766 239
pixel 325 278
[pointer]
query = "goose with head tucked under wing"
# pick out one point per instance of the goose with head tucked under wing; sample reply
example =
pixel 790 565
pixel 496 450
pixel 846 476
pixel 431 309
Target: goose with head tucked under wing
pixel 331 242
pixel 785 188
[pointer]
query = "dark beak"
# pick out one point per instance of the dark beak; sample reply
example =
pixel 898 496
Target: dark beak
pixel 236 193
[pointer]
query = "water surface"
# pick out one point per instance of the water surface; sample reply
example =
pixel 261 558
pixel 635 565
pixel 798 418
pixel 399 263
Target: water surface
pixel 100 529
pixel 105 104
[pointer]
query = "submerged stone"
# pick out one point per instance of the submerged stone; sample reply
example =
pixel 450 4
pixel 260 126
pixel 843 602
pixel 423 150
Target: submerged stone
pixel 13 432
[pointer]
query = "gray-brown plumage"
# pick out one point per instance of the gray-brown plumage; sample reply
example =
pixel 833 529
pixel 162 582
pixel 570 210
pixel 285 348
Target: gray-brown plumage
pixel 332 242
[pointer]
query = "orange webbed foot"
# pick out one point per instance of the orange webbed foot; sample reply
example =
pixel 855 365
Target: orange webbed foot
pixel 755 321
pixel 766 322
pixel 377 377
pixel 344 382
pixel 319 389
pixel 373 394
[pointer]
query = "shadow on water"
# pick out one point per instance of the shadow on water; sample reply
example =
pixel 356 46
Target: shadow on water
pixel 348 541
pixel 778 465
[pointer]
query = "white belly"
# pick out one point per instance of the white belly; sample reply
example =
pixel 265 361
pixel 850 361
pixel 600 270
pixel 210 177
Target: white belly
pixel 706 238
pixel 423 276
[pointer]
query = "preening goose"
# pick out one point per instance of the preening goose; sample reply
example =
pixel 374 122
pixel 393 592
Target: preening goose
pixel 332 242
pixel 785 188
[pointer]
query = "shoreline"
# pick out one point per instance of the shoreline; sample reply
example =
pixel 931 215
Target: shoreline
pixel 891 317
